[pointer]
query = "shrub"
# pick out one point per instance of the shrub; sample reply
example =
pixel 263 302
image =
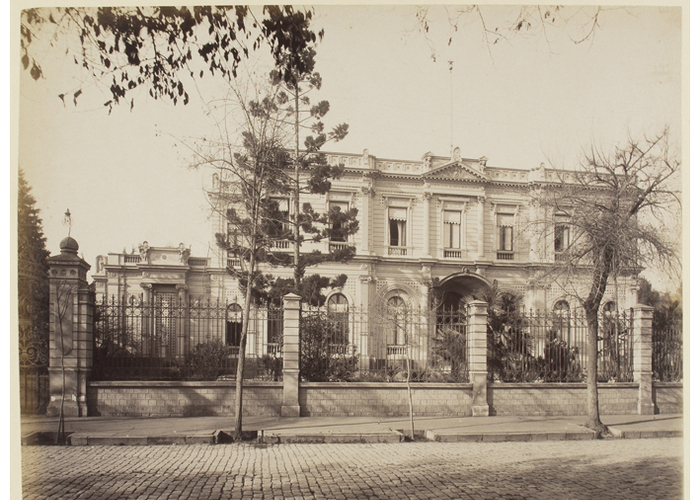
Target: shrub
pixel 206 361
pixel 324 352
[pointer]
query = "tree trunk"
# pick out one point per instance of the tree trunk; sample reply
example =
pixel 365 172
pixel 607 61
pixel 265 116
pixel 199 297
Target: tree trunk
pixel 410 396
pixel 593 422
pixel 238 400
pixel 591 306
pixel 295 194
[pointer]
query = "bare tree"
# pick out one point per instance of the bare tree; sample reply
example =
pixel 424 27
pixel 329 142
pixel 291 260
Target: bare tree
pixel 612 220
pixel 249 159
pixel 499 24
pixel 63 299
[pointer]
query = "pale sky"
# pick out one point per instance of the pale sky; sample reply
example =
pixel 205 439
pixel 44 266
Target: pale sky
pixel 527 102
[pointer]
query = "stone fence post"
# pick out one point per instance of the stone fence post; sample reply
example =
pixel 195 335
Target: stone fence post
pixel 641 357
pixel 477 349
pixel 290 350
pixel 71 306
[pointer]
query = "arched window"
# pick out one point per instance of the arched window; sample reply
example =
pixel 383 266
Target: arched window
pixel 338 314
pixel 234 326
pixel 562 318
pixel 397 316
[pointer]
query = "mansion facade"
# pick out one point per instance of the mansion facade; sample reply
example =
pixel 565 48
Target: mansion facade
pixel 440 225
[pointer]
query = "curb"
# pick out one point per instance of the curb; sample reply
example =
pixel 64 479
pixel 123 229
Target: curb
pixel 501 437
pixel 371 437
pixel 394 436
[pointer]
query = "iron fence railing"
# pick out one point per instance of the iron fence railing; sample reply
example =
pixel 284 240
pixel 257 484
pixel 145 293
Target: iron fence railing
pixel 541 347
pixel 667 348
pixel 169 338
pixel 383 344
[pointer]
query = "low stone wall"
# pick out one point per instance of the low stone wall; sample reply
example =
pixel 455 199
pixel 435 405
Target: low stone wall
pixel 560 399
pixel 384 399
pixel 182 399
pixel 322 399
pixel 668 397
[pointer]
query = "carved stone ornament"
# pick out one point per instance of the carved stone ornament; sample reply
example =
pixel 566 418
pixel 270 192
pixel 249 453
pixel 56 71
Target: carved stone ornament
pixel 427 196
pixel 144 252
pixel 456 154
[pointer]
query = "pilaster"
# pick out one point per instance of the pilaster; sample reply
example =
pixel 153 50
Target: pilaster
pixel 290 366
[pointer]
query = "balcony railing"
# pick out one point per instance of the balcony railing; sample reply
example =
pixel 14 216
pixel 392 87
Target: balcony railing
pixel 274 349
pixel 334 246
pixel 132 259
pixel 397 250
pixel 233 262
pixel 396 351
pixel 502 255
pixel 452 254
pixel 281 244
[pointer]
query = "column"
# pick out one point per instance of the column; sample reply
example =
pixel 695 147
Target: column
pixel 641 356
pixel 290 367
pixel 362 319
pixel 426 224
pixel 477 349
pixel 71 305
pixel 480 200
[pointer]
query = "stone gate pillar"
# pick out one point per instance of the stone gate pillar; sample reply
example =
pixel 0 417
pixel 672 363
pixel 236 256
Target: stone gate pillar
pixel 71 305
pixel 641 357
pixel 290 350
pixel 477 349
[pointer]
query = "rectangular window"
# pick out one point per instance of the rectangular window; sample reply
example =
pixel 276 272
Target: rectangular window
pixel 337 233
pixel 505 224
pixel 561 238
pixel 562 233
pixel 397 226
pixel 280 223
pixel 452 229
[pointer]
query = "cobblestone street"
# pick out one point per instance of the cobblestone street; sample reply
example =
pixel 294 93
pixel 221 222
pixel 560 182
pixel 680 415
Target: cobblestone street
pixel 615 469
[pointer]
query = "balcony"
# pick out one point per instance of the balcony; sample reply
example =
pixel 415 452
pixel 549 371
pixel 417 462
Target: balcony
pixel 397 250
pixel 281 244
pixel 396 351
pixel 503 255
pixel 132 259
pixel 335 246
pixel 274 349
pixel 233 262
pixel 452 254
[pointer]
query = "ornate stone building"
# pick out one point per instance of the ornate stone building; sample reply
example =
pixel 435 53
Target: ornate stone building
pixel 440 226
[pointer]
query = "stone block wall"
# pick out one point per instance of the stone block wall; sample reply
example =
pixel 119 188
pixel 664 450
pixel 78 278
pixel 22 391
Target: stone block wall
pixel 560 399
pixel 384 399
pixel 668 397
pixel 182 399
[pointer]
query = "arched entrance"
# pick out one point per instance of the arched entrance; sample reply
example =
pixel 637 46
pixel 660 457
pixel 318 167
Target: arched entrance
pixel 456 290
pixel 450 298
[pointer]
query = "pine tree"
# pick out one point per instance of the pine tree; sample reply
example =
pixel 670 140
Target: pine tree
pixel 32 283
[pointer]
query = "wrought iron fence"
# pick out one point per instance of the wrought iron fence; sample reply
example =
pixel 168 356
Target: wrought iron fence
pixel 168 338
pixel 33 369
pixel 541 347
pixel 667 348
pixel 382 344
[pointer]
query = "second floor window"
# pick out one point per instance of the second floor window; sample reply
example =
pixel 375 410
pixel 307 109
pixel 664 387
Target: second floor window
pixel 452 229
pixel 397 226
pixel 562 236
pixel 337 228
pixel 505 224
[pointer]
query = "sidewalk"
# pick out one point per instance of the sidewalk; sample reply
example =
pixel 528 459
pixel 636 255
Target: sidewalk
pixel 147 431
